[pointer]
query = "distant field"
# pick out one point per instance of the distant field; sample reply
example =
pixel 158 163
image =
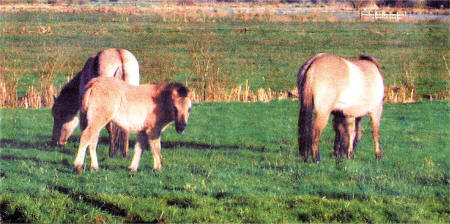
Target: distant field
pixel 220 52
pixel 236 162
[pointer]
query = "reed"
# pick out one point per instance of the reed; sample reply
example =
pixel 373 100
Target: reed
pixel 8 90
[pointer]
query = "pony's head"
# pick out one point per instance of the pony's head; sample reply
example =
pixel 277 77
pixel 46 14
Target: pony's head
pixel 64 122
pixel 181 103
pixel 64 112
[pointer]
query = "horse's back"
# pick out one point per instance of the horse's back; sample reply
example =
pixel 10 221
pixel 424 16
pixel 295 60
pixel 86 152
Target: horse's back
pixel 351 87
pixel 124 104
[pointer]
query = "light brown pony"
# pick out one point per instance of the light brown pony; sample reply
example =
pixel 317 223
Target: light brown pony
pixel 118 63
pixel 347 89
pixel 145 109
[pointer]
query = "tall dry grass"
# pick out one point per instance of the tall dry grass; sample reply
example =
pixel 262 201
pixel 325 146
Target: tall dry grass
pixel 49 62
pixel 206 77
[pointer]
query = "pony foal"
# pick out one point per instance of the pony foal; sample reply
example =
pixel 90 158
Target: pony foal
pixel 144 109
pixel 347 89
pixel 118 63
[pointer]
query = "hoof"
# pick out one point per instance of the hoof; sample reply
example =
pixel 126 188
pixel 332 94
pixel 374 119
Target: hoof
pixel 125 154
pixel 94 168
pixel 316 159
pixel 77 169
pixel 350 156
pixel 379 156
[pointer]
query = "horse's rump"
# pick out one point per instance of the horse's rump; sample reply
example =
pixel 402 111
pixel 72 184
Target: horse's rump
pixel 117 63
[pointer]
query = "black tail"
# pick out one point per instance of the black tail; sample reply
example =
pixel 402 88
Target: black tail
pixel 305 118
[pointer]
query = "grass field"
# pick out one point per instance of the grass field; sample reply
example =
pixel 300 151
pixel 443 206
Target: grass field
pixel 236 162
pixel 220 52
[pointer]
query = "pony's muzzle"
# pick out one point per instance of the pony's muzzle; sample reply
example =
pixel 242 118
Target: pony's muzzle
pixel 57 142
pixel 180 127
pixel 61 143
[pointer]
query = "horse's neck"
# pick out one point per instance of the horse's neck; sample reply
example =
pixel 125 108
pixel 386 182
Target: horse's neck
pixel 69 96
pixel 163 101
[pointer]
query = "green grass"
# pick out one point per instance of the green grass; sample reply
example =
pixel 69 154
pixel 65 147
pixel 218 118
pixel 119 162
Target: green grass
pixel 236 162
pixel 269 55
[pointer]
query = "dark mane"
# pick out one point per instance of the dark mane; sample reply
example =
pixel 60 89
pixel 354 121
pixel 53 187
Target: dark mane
pixel 68 98
pixel 180 88
pixel 165 95
pixel 364 57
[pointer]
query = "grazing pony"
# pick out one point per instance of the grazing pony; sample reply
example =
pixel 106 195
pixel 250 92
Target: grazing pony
pixel 118 63
pixel 347 89
pixel 145 109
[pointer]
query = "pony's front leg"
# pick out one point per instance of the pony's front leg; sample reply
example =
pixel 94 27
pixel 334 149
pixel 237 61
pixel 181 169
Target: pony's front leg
pixel 142 141
pixel 155 145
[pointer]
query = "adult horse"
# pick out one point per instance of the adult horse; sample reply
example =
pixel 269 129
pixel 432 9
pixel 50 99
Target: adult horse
pixel 347 89
pixel 118 63
pixel 145 109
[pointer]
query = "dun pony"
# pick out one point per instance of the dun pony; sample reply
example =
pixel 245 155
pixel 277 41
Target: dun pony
pixel 118 63
pixel 145 109
pixel 347 89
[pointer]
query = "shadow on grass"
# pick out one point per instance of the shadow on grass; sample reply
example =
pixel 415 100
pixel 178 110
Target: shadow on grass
pixel 7 214
pixel 45 145
pixel 201 146
pixel 41 146
pixel 102 205
pixel 192 145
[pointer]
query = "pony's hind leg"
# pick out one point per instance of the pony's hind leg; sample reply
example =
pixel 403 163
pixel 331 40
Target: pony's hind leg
pixel 319 124
pixel 84 143
pixel 93 152
pixel 86 140
pixel 89 137
pixel 375 117
pixel 350 135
